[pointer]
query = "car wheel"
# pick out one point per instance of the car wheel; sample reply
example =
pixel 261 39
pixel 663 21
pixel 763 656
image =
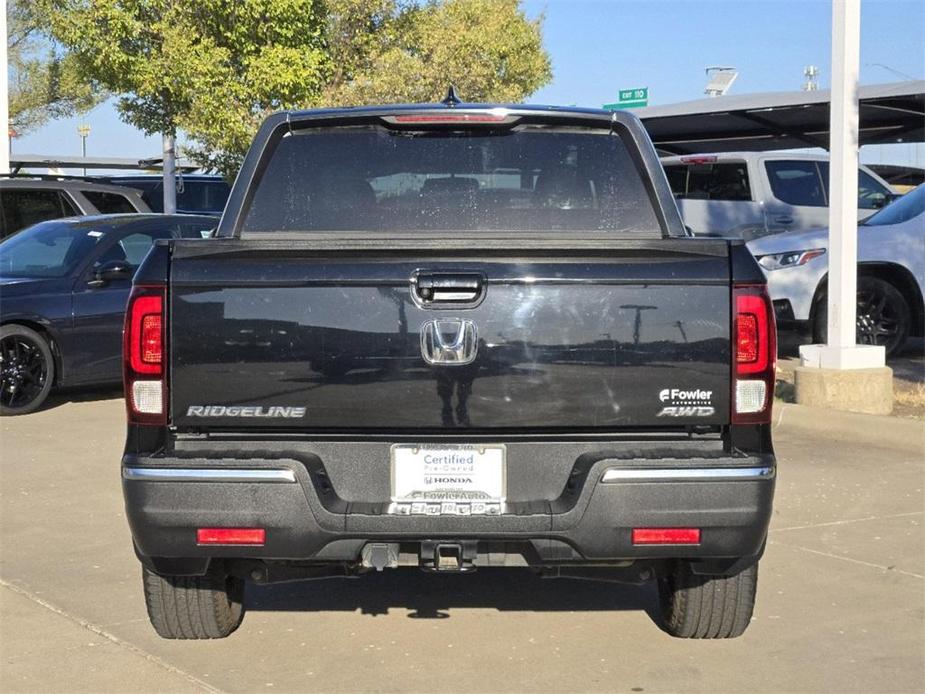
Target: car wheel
pixel 27 370
pixel 193 607
pixel 705 606
pixel 883 316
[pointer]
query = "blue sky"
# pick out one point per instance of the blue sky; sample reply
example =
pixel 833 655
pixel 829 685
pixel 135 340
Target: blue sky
pixel 599 47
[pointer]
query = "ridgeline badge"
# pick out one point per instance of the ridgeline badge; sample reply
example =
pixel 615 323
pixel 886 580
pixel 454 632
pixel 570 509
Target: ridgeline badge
pixel 244 411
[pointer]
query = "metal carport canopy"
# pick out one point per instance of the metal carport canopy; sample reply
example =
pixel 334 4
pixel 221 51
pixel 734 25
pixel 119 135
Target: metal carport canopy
pixel 783 120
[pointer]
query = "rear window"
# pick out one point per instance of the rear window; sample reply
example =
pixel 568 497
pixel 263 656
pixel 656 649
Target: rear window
pixel 375 179
pixel 23 207
pixel 724 181
pixel 109 203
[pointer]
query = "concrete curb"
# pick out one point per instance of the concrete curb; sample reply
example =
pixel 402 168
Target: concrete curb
pixel 865 429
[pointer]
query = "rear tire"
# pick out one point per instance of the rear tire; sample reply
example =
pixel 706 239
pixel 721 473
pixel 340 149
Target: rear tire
pixel 707 607
pixel 193 607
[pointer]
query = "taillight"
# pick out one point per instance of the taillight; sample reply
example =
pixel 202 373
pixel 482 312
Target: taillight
pixel 754 355
pixel 144 355
pixel 493 117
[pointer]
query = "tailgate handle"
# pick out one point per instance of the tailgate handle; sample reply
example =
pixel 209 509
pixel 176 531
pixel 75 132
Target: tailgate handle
pixel 440 287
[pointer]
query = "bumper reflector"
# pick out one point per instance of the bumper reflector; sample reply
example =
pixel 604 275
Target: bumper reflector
pixel 666 536
pixel 231 536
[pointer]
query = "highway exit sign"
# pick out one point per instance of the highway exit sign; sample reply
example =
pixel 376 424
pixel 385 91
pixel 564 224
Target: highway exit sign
pixel 630 98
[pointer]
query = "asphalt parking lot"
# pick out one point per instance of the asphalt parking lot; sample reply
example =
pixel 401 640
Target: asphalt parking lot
pixel 841 602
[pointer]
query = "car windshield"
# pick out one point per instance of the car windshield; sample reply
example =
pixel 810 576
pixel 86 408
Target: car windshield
pixel 910 205
pixel 373 179
pixel 49 249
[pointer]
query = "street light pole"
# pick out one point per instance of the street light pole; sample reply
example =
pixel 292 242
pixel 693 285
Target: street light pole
pixel 169 174
pixel 84 131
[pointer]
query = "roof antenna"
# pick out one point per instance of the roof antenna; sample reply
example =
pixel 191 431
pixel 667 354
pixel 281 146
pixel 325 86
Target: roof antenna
pixel 451 99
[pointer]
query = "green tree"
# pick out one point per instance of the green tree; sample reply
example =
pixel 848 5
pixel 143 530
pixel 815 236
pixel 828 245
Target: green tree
pixel 179 62
pixel 390 52
pixel 215 68
pixel 44 83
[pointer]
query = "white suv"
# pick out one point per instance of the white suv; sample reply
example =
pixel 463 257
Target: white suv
pixel 891 275
pixel 753 194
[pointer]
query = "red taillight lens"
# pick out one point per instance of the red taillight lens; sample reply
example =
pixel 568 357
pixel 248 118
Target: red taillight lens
pixel 754 355
pixel 752 333
pixel 144 355
pixel 666 536
pixel 145 338
pixel 746 338
pixel 231 536
pixel 151 339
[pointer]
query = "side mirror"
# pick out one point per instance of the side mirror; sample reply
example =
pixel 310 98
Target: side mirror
pixel 113 270
pixel 879 201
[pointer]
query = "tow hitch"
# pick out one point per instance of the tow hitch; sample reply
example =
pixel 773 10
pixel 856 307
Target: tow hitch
pixel 449 556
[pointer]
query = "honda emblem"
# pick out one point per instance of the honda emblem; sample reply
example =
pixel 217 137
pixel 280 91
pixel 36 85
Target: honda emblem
pixel 449 341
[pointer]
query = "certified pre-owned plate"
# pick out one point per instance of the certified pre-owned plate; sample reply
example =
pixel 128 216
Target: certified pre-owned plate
pixel 458 480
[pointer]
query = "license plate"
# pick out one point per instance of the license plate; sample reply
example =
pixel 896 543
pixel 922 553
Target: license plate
pixel 448 480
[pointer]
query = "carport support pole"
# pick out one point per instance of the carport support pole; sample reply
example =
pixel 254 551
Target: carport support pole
pixel 841 350
pixel 842 374
pixel 170 179
pixel 843 169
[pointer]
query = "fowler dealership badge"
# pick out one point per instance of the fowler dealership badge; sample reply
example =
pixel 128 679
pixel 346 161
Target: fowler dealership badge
pixel 686 403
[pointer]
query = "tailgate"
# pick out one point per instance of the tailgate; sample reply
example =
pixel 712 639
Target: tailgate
pixel 290 338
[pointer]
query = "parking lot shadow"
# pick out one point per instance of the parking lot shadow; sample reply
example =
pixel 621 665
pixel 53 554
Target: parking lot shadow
pixel 431 596
pixel 68 395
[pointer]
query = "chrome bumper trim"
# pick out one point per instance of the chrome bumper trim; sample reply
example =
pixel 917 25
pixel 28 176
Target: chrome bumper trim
pixel 173 474
pixel 618 474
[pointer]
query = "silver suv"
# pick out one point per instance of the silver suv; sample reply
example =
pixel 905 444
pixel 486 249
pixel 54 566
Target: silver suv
pixel 753 194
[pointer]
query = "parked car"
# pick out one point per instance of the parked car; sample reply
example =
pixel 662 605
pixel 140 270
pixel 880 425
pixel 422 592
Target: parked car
pixel 891 275
pixel 63 290
pixel 752 194
pixel 458 338
pixel 196 193
pixel 26 201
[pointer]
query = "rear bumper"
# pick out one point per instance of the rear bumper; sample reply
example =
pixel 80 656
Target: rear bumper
pixel 728 499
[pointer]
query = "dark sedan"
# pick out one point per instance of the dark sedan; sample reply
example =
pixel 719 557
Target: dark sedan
pixel 63 289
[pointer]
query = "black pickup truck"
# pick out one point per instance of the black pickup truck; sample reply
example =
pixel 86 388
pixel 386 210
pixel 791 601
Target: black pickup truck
pixel 449 336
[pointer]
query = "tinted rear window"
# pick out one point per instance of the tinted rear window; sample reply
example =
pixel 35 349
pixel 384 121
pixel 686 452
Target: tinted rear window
pixel 109 203
pixel 726 181
pixel 23 207
pixel 374 179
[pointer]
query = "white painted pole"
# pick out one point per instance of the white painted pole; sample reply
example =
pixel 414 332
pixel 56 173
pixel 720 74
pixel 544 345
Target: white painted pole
pixel 841 350
pixel 843 174
pixel 170 179
pixel 4 96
